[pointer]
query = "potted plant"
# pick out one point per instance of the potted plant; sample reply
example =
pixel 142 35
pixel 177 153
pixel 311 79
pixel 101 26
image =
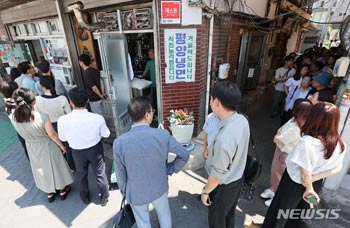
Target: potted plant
pixel 182 124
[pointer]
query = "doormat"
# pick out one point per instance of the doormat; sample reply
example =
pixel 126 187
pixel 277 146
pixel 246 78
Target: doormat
pixel 7 135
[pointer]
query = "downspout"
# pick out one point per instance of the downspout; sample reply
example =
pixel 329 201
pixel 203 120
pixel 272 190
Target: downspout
pixel 210 52
pixel 76 8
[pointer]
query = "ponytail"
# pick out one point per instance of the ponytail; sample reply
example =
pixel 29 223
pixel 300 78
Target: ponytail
pixel 24 98
pixel 49 83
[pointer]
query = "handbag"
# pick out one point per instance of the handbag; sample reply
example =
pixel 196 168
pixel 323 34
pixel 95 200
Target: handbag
pixel 125 217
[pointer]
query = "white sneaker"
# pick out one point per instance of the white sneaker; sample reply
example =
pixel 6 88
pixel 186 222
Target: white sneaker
pixel 267 194
pixel 268 202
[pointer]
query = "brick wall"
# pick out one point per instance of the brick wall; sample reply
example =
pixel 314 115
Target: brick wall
pixel 192 94
pixel 226 47
pixel 186 94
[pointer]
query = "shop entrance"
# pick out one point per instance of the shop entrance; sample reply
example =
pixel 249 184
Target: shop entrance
pixel 122 60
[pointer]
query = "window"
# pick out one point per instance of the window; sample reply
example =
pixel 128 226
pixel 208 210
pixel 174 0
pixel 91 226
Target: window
pixel 322 3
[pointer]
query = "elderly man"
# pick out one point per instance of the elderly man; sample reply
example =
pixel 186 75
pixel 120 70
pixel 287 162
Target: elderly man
pixel 226 157
pixel 141 165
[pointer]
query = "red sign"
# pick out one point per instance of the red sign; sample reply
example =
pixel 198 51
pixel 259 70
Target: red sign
pixel 170 12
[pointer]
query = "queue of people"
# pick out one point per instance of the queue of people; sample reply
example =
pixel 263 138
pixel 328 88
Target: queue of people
pixel 308 149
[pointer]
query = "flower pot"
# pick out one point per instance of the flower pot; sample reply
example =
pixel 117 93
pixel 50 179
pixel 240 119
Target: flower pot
pixel 182 133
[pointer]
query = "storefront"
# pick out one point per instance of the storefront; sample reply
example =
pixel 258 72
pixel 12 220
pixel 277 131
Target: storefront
pixel 35 40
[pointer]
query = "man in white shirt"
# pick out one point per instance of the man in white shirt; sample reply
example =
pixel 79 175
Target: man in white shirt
pixel 281 76
pixel 83 131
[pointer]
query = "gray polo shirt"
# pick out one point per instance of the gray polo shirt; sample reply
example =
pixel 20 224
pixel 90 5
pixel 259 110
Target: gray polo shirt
pixel 228 154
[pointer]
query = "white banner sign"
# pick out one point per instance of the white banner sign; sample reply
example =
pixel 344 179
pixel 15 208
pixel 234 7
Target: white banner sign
pixel 180 55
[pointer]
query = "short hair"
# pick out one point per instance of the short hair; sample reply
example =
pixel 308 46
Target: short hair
pixel 325 95
pixel 14 73
pixel 228 94
pixel 288 58
pixel 138 107
pixel 24 98
pixel 7 88
pixel 318 64
pixel 43 66
pixel 85 59
pixel 78 97
pixel 23 67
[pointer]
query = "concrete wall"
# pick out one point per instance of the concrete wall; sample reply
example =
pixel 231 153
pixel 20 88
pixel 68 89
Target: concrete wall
pixel 29 11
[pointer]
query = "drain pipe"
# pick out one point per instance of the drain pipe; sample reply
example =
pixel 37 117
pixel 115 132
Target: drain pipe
pixel 76 8
pixel 210 52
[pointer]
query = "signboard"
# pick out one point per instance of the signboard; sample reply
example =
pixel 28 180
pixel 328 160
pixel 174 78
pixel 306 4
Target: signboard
pixel 180 55
pixel 170 12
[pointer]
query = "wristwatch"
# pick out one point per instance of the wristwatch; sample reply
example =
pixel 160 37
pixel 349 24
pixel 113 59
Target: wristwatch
pixel 203 191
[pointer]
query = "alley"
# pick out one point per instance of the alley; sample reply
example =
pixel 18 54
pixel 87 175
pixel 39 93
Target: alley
pixel 23 205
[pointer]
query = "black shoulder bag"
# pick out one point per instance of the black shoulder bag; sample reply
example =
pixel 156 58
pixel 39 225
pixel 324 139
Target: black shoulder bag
pixel 125 217
pixel 252 170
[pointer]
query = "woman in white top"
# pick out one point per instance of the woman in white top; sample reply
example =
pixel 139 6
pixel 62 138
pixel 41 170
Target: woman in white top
pixel 319 154
pixel 299 91
pixel 294 81
pixel 50 103
pixel 286 138
pixel 54 106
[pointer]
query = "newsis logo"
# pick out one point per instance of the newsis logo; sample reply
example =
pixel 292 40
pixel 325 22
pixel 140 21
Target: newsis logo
pixel 308 214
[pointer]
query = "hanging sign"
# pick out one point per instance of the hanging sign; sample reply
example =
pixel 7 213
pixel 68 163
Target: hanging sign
pixel 180 55
pixel 170 12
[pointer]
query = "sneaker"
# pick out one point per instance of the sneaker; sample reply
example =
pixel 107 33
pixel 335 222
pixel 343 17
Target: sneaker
pixel 268 202
pixel 267 194
pixel 104 201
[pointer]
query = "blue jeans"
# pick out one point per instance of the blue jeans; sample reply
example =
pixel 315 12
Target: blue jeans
pixel 141 213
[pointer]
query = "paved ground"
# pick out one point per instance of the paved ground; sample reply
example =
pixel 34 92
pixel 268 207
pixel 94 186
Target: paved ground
pixel 23 205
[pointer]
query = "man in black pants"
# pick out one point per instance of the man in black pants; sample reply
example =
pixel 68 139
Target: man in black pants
pixel 226 157
pixel 83 131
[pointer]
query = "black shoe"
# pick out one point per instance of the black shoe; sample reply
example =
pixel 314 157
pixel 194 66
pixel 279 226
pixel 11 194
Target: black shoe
pixel 51 197
pixel 86 199
pixel 104 201
pixel 64 192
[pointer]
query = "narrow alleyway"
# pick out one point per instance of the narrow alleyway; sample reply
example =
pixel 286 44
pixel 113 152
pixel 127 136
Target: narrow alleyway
pixel 23 205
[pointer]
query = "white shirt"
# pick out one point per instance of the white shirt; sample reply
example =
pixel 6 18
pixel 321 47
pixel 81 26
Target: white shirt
pixel 19 80
pixel 293 96
pixel 82 129
pixel 291 83
pixel 289 136
pixel 282 72
pixel 55 107
pixel 309 154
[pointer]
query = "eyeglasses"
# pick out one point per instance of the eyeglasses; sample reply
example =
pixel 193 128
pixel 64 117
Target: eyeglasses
pixel 152 110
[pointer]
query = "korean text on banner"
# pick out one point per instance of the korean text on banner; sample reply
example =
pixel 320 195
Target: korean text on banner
pixel 170 12
pixel 180 55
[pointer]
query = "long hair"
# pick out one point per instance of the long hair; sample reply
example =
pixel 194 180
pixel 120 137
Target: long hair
pixel 49 83
pixel 298 75
pixel 322 123
pixel 24 98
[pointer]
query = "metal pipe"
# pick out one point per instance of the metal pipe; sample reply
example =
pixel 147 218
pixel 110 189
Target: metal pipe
pixel 119 22
pixel 210 52
pixel 76 8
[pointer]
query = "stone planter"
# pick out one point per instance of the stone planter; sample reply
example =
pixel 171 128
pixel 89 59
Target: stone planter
pixel 182 133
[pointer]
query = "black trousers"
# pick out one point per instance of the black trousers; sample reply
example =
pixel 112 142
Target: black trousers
pixel 224 199
pixel 93 156
pixel 289 195
pixel 23 142
pixel 68 156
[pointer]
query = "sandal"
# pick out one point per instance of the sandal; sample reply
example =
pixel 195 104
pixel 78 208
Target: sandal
pixel 51 197
pixel 64 192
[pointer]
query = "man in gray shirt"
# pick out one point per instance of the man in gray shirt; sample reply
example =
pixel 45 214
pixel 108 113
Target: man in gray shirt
pixel 140 158
pixel 226 157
